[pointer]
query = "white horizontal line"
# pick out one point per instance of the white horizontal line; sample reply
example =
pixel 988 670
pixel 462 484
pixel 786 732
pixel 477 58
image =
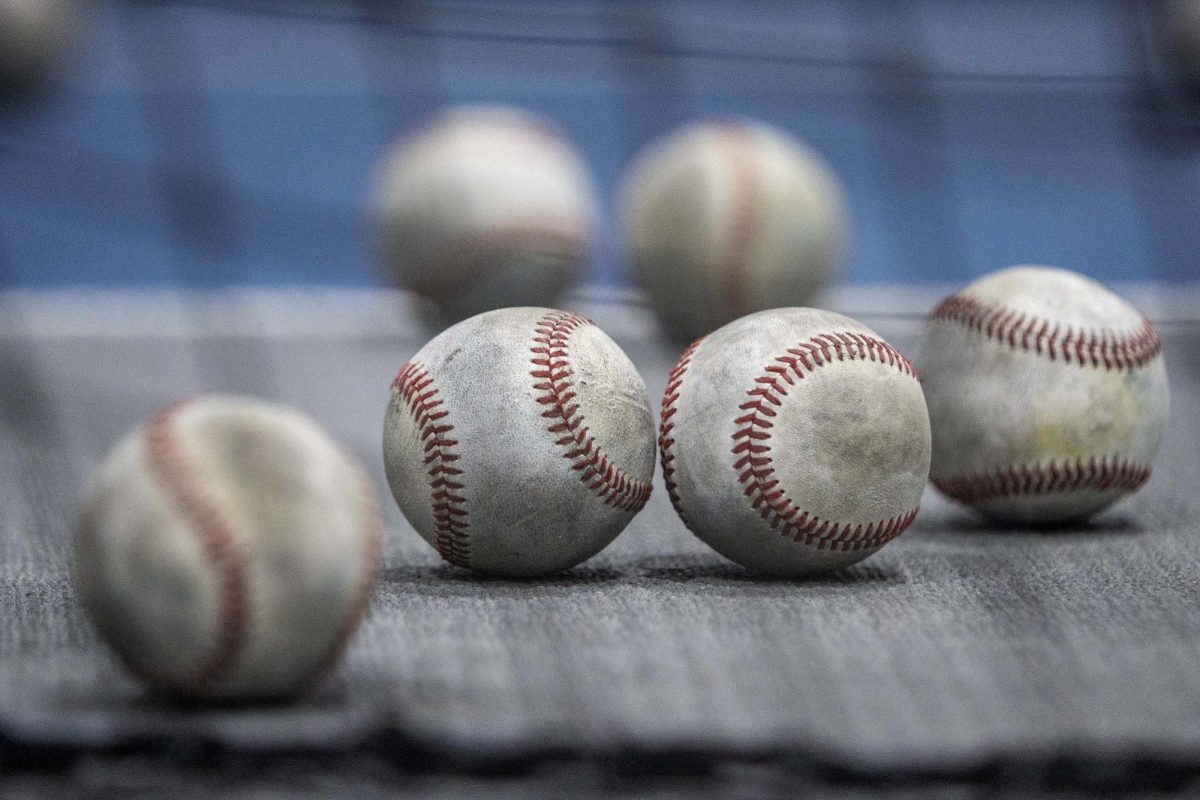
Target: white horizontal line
pixel 337 313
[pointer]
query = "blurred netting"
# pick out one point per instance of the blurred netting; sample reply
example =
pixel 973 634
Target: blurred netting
pixel 214 143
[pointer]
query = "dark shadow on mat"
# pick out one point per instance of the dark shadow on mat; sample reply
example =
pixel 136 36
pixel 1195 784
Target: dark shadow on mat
pixel 709 568
pixel 961 521
pixel 670 569
pixel 143 701
pixel 447 579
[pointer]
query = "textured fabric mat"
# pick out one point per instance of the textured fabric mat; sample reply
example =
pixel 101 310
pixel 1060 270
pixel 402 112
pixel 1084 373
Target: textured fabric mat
pixel 954 646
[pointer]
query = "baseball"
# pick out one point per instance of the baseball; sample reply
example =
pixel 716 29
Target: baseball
pixel 227 550
pixel 794 441
pixel 726 218
pixel 519 442
pixel 485 207
pixel 33 36
pixel 1047 392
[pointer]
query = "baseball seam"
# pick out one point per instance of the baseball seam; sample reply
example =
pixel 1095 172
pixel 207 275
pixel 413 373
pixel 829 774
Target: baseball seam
pixel 752 449
pixel 552 374
pixel 1108 349
pixel 414 385
pixel 747 193
pixel 1128 350
pixel 217 540
pixel 1106 474
pixel 666 439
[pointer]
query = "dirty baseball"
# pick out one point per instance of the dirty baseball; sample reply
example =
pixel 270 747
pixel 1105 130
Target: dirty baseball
pixel 519 442
pixel 794 441
pixel 1048 395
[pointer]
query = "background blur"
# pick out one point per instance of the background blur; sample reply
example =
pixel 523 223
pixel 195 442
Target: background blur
pixel 214 143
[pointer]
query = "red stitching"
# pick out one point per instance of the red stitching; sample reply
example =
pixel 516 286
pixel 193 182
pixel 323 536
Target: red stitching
pixel 552 372
pixel 1105 474
pixel 415 386
pixel 753 451
pixel 217 540
pixel 1130 349
pixel 748 200
pixel 667 425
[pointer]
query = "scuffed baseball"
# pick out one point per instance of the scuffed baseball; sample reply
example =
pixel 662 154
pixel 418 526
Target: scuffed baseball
pixel 227 550
pixel 484 207
pixel 726 218
pixel 519 442
pixel 1048 395
pixel 794 441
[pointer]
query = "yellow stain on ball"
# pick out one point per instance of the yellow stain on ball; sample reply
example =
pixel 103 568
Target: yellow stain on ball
pixel 1097 418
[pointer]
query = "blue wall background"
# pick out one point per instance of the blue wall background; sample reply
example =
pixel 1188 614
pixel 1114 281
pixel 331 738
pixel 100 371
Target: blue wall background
pixel 215 143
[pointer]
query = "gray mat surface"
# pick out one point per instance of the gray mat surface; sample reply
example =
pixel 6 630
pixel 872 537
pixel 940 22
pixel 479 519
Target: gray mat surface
pixel 955 646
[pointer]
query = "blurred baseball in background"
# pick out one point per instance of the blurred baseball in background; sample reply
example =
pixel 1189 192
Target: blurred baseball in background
pixel 1047 393
pixel 726 218
pixel 485 207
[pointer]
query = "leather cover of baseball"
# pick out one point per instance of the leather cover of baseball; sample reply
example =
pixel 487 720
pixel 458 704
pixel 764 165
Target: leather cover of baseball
pixel 1048 395
pixel 794 441
pixel 519 442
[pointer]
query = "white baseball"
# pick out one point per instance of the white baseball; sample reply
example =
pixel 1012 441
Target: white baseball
pixel 227 550
pixel 33 36
pixel 519 442
pixel 794 441
pixel 483 208
pixel 726 218
pixel 1048 395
